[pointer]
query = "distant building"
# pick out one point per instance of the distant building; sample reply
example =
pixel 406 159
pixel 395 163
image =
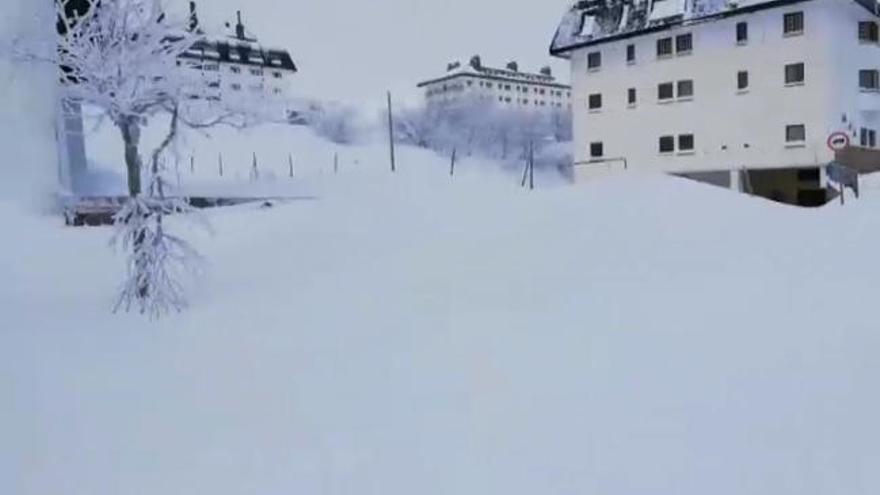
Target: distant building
pixel 239 70
pixel 506 87
pixel 748 94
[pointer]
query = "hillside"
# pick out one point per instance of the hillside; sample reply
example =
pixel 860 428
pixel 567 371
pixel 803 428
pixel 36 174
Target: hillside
pixel 415 334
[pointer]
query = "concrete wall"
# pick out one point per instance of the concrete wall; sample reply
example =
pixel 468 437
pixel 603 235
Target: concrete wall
pixel 28 151
pixel 732 129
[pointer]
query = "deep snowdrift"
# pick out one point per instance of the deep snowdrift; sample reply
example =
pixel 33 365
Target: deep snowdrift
pixel 410 334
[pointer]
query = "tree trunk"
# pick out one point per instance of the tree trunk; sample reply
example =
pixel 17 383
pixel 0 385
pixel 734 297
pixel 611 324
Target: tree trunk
pixel 131 136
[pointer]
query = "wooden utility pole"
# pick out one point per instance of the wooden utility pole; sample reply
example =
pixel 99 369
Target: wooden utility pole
pixel 335 163
pixel 255 172
pixel 452 165
pixel 391 133
pixel 192 164
pixel 531 165
pixel 290 162
pixel 220 163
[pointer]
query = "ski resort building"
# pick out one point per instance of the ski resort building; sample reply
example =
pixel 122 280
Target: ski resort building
pixel 507 87
pixel 757 95
pixel 239 70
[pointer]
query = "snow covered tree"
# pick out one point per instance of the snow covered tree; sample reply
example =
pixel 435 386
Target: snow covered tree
pixel 121 58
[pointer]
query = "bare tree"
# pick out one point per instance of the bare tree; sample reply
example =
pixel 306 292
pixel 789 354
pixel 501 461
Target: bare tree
pixel 121 57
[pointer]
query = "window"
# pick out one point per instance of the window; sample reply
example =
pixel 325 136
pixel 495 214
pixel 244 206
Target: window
pixel 236 87
pixel 277 75
pixel 868 138
pixel 684 43
pixel 685 142
pixel 235 70
pixel 665 91
pixel 257 72
pixel 489 85
pixel 793 23
pixel 595 101
pixel 667 144
pixel 631 54
pixel 794 73
pixel 664 47
pixel 631 97
pixel 795 133
pixel 868 31
pixel 594 60
pixel 869 80
pixel 686 89
pixel 742 80
pixel 597 150
pixel 742 32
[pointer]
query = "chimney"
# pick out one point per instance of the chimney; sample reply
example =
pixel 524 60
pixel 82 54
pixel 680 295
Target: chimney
pixel 193 17
pixel 239 28
pixel 513 66
pixel 452 66
pixel 547 71
pixel 476 63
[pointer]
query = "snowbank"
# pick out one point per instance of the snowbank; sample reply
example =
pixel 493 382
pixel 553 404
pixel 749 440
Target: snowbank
pixel 413 334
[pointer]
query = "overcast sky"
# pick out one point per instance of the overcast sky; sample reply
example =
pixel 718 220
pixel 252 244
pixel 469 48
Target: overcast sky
pixel 356 49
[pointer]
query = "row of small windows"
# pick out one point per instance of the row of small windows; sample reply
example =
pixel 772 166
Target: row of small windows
pixel 683 44
pixel 684 89
pixel 666 145
pixel 489 85
pixel 795 134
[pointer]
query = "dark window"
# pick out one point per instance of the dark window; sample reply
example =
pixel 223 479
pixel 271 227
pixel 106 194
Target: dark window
pixel 795 133
pixel 597 150
pixel 665 91
pixel 595 101
pixel 630 53
pixel 794 73
pixel 809 175
pixel 868 31
pixel 631 96
pixel 664 47
pixel 742 32
pixel 685 142
pixel 742 80
pixel 793 23
pixel 667 144
pixel 686 89
pixel 684 43
pixel 867 138
pixel 869 79
pixel 594 60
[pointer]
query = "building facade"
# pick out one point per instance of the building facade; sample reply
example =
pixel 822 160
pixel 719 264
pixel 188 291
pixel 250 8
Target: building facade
pixel 241 72
pixel 506 87
pixel 743 94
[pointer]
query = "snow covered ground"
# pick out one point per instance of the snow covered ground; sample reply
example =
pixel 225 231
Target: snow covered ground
pixel 416 334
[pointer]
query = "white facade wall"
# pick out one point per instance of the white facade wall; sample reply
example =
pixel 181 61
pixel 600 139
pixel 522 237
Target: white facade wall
pixel 732 129
pixel 29 167
pixel 526 95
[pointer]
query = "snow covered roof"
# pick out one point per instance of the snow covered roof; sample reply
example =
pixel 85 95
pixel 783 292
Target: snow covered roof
pixel 590 22
pixel 510 73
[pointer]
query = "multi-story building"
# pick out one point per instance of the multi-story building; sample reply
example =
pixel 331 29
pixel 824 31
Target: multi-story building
pixel 751 94
pixel 240 71
pixel 507 87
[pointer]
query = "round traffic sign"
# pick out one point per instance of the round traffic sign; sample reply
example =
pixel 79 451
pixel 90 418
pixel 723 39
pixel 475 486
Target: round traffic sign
pixel 838 141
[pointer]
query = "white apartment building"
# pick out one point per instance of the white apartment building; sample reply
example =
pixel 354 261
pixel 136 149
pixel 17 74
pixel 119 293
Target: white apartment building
pixel 506 87
pixel 240 71
pixel 739 93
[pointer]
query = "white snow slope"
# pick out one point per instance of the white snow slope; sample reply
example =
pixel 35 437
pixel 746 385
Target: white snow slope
pixel 412 334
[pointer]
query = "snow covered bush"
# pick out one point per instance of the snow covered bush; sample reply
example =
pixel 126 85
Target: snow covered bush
pixel 335 122
pixel 481 128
